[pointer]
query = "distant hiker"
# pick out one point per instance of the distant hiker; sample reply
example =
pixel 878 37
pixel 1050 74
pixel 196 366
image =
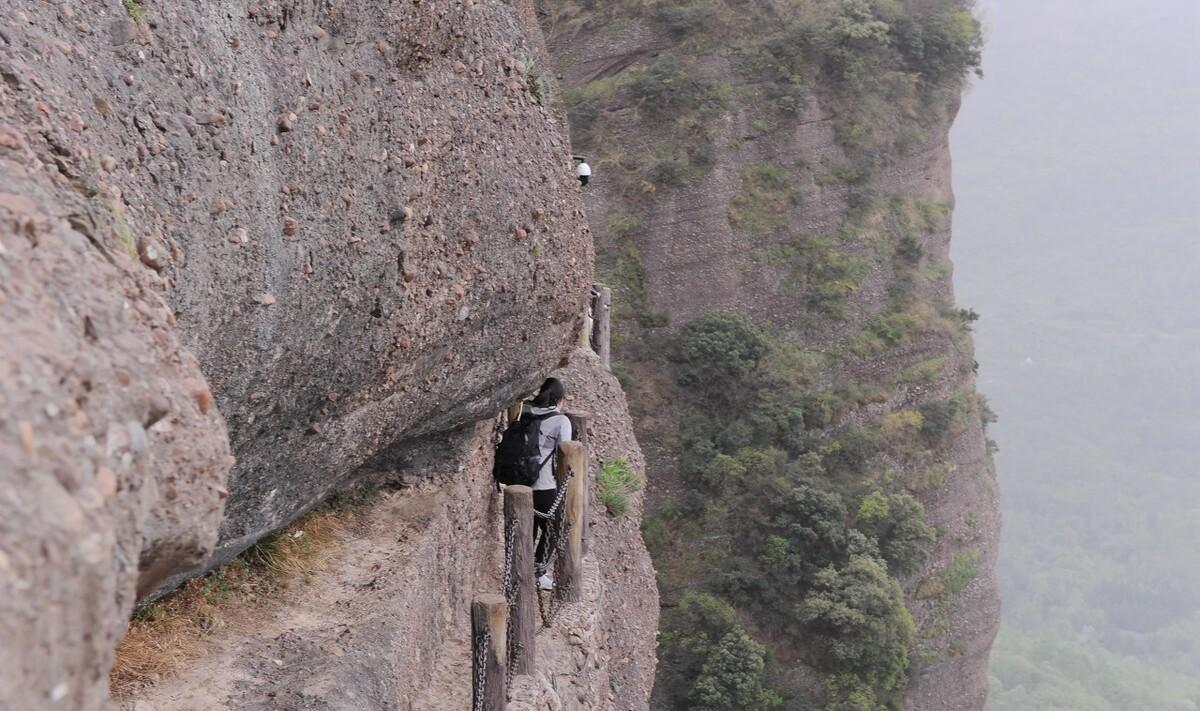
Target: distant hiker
pixel 526 457
pixel 584 171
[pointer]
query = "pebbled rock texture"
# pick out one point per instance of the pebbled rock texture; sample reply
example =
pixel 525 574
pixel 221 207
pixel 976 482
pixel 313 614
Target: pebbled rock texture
pixel 304 233
pixel 386 625
pixel 113 457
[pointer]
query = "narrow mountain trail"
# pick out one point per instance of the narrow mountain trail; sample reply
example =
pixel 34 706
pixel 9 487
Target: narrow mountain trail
pixel 384 624
pixel 300 652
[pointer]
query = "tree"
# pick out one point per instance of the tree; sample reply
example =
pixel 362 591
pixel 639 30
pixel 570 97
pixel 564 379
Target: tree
pixel 689 633
pixel 790 536
pixel 857 616
pixel 716 352
pixel 897 522
pixel 733 677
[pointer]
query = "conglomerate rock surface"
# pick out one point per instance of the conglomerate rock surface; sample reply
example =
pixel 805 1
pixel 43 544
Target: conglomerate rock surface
pixel 301 233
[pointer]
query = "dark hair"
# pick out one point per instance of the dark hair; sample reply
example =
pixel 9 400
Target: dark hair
pixel 551 393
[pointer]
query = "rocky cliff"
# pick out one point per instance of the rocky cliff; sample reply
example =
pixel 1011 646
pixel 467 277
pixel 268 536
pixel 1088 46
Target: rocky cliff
pixel 385 625
pixel 771 201
pixel 247 250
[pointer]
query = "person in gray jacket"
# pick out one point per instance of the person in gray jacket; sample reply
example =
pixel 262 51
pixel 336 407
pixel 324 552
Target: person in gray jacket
pixel 551 431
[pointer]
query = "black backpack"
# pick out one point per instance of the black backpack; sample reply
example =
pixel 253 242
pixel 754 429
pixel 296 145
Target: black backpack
pixel 519 455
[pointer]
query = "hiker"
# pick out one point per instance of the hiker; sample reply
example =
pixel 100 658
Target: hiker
pixel 584 171
pixel 554 427
pixel 525 457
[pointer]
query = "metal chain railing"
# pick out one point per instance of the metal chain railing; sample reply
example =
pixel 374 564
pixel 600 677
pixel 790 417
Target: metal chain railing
pixel 558 499
pixel 507 578
pixel 483 642
pixel 509 587
pixel 549 601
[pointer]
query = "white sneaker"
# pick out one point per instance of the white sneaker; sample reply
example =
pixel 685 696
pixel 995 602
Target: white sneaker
pixel 546 582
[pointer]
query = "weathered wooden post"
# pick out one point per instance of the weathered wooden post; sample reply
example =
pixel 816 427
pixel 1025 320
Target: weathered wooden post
pixel 602 325
pixel 518 518
pixel 490 639
pixel 579 427
pixel 514 411
pixel 585 329
pixel 572 456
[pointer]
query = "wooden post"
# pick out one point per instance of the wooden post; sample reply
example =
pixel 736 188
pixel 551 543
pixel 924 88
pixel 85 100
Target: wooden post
pixel 489 614
pixel 579 425
pixel 602 328
pixel 518 513
pixel 585 331
pixel 579 428
pixel 568 579
pixel 514 411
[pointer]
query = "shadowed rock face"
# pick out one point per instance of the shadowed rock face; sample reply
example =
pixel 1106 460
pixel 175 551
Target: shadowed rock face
pixel 301 233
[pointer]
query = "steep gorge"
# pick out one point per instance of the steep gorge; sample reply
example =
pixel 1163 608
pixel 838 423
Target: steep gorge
pixel 771 202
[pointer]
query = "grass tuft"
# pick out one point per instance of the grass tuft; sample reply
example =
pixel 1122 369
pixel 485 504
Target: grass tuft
pixel 134 8
pixel 615 484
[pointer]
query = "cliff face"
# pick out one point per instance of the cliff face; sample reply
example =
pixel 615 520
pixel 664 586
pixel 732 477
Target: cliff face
pixel 246 250
pixel 386 624
pixel 744 164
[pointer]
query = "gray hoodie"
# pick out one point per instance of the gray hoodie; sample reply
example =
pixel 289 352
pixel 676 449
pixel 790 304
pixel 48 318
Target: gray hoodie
pixel 551 431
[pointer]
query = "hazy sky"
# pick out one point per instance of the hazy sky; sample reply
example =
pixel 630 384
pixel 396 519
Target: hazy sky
pixel 1077 237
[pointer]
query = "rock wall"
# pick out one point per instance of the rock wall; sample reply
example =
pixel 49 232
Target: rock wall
pixel 303 233
pixel 386 625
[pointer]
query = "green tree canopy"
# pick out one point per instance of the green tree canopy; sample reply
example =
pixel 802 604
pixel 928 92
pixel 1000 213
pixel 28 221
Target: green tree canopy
pixel 861 626
pixel 716 351
pixel 897 521
pixel 733 677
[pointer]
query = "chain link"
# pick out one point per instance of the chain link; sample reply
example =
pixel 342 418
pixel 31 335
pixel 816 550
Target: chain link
pixel 482 643
pixel 558 499
pixel 549 602
pixel 508 580
pixel 508 585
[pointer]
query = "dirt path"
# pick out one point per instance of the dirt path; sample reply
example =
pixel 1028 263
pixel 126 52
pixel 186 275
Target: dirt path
pixel 360 634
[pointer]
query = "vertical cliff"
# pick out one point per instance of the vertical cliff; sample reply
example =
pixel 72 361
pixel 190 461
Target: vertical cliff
pixel 771 202
pixel 249 251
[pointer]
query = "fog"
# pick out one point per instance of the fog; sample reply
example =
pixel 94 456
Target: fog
pixel 1077 237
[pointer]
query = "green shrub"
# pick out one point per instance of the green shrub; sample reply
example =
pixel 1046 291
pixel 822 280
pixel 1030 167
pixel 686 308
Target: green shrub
pixel 615 483
pixel 942 418
pixel 534 80
pixel 961 571
pixel 688 635
pixel 733 677
pixel 762 204
pixel 859 622
pixel 886 332
pixel 897 522
pixel 723 471
pixel 683 19
pixel 716 351
pixel 621 224
pixel 943 44
pixel 853 43
pixel 669 172
pixel 666 89
pixel 134 8
pixel 924 372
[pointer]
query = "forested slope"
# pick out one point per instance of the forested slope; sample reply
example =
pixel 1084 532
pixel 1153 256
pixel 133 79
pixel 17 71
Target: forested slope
pixel 771 204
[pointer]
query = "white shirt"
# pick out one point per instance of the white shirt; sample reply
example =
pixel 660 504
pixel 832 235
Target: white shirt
pixel 583 169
